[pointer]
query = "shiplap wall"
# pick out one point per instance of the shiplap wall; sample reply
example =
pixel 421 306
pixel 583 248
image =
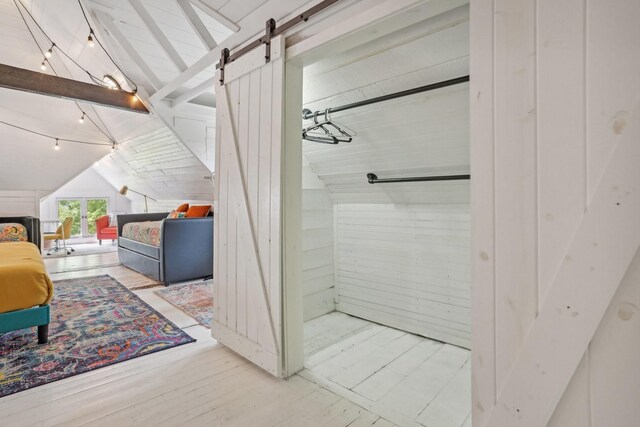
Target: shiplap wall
pixel 401 250
pixel 406 266
pixel 317 246
pixel 20 203
pixel 554 97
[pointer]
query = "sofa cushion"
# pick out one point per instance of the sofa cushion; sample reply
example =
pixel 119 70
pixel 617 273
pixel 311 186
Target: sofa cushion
pixel 183 207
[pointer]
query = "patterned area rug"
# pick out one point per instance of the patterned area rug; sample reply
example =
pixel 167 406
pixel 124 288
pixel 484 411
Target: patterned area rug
pixel 95 322
pixel 195 299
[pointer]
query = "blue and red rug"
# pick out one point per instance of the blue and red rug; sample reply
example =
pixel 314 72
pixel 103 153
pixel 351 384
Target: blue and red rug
pixel 95 322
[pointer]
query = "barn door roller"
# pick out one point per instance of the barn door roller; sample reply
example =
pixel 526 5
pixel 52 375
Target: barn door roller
pixel 273 31
pixel 271 25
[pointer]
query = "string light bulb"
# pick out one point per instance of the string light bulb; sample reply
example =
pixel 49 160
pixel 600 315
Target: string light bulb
pixel 81 119
pixel 113 147
pixel 57 146
pixel 90 39
pixel 48 53
pixel 43 66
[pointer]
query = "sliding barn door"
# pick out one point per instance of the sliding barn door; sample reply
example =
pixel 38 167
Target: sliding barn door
pixel 248 212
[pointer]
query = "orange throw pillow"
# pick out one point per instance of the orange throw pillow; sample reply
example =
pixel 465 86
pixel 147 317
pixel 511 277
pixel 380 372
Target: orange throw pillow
pixel 183 207
pixel 198 211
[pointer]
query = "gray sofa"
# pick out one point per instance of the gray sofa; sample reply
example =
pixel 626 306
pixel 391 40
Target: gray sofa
pixel 185 251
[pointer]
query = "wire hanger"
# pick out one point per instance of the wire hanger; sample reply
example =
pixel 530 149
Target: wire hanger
pixel 326 131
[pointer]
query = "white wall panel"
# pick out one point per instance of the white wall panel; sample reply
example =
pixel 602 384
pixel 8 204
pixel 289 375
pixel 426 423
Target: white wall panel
pixel 406 266
pixel 317 247
pixel 20 203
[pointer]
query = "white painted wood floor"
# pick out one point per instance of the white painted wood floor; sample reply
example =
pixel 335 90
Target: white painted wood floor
pixel 195 384
pixel 407 379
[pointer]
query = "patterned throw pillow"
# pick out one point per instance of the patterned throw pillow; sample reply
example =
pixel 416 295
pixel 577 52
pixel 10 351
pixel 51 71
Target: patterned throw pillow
pixel 11 232
pixel 174 214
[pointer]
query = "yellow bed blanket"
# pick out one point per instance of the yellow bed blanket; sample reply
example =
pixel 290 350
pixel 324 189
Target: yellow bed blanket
pixel 24 282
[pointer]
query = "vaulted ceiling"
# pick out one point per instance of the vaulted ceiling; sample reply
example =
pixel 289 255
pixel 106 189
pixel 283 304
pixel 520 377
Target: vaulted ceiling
pixel 167 47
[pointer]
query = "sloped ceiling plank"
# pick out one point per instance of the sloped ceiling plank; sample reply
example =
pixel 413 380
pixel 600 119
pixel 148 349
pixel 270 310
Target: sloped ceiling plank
pixel 196 23
pixel 157 33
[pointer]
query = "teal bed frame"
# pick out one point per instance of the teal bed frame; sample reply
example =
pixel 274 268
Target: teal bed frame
pixel 27 318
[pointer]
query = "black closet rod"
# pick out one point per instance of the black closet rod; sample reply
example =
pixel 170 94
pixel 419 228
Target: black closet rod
pixel 458 80
pixel 373 178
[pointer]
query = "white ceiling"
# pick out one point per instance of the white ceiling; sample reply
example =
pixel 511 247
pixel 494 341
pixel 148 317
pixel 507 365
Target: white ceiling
pixel 159 165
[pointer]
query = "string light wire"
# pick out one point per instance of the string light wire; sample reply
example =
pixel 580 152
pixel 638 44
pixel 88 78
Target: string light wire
pixel 75 141
pixel 52 69
pixel 94 79
pixel 91 32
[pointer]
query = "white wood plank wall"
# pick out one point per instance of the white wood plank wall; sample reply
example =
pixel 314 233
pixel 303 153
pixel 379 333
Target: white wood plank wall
pixel 561 80
pixel 406 266
pixel 317 246
pixel 19 203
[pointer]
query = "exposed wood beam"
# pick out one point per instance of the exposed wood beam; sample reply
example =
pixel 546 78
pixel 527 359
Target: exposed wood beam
pixel 197 24
pixel 60 87
pixel 157 34
pixel 192 93
pixel 108 22
pixel 205 6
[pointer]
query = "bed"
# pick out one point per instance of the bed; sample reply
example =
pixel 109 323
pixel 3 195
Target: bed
pixel 25 287
pixel 166 250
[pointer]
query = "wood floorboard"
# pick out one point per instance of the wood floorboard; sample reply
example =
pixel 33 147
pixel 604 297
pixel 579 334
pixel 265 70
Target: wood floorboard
pixel 407 379
pixel 201 383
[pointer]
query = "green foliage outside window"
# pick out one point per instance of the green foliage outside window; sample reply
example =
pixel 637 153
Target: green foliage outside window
pixel 95 209
pixel 70 208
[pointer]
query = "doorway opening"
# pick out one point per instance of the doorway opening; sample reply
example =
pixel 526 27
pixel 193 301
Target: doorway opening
pixel 386 267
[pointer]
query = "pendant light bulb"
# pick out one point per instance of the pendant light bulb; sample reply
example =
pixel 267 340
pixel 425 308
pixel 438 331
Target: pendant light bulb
pixel 43 66
pixel 48 53
pixel 81 119
pixel 57 146
pixel 90 39
pixel 113 147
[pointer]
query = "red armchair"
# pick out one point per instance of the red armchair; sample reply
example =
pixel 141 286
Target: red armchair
pixel 103 231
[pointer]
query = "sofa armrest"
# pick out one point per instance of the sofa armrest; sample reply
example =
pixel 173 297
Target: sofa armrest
pixel 124 219
pixel 32 225
pixel 186 249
